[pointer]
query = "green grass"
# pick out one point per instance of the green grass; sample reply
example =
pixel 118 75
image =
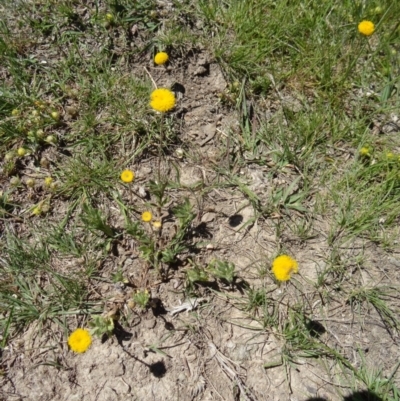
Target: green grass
pixel 308 92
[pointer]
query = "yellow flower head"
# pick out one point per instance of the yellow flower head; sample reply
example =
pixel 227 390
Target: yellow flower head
pixel 162 100
pixel 36 211
pixel 365 151
pixel 390 156
pixel 79 340
pixel 366 28
pixel 127 176
pixel 109 17
pixel 21 152
pixel 48 181
pixel 157 225
pixel 147 216
pixel 283 266
pixel 161 58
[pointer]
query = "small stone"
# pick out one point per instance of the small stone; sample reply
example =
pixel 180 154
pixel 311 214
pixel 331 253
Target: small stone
pixel 142 192
pixel 208 217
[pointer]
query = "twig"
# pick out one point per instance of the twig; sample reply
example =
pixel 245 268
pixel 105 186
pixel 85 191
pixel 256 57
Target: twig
pixel 152 80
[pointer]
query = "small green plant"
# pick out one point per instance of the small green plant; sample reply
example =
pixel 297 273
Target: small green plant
pixel 141 298
pixel 6 207
pixel 377 298
pixel 195 275
pixel 255 298
pixel 101 325
pixel 157 188
pixel 222 270
pixel 95 221
pixel 118 276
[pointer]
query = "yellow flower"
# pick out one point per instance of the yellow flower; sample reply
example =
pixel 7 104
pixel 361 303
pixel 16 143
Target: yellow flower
pixel 147 216
pixel 127 176
pixel 157 225
pixel 283 266
pixel 55 115
pixel 48 181
pixel 365 151
pixel 79 340
pixel 36 211
pixel 162 100
pixel 366 28
pixel 21 152
pixel 161 58
pixel 109 17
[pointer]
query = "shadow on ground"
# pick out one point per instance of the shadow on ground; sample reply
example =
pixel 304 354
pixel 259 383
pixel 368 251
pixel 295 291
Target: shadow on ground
pixel 357 396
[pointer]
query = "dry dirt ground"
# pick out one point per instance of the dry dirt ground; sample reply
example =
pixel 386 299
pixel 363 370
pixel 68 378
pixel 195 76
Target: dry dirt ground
pixel 216 350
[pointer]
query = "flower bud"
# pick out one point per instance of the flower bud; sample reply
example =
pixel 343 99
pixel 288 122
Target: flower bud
pixel 179 153
pixel 157 225
pixel 9 156
pixel 51 139
pixel 36 211
pixel 48 181
pixel 55 115
pixel 110 17
pixel 30 182
pixel 15 181
pixel 40 133
pixel 44 162
pixel 21 152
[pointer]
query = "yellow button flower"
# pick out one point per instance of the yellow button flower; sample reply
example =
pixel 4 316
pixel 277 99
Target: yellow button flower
pixel 147 216
pixel 36 211
pixel 21 152
pixel 162 100
pixel 48 181
pixel 366 28
pixel 283 266
pixel 365 151
pixel 79 340
pixel 161 58
pixel 157 225
pixel 127 176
